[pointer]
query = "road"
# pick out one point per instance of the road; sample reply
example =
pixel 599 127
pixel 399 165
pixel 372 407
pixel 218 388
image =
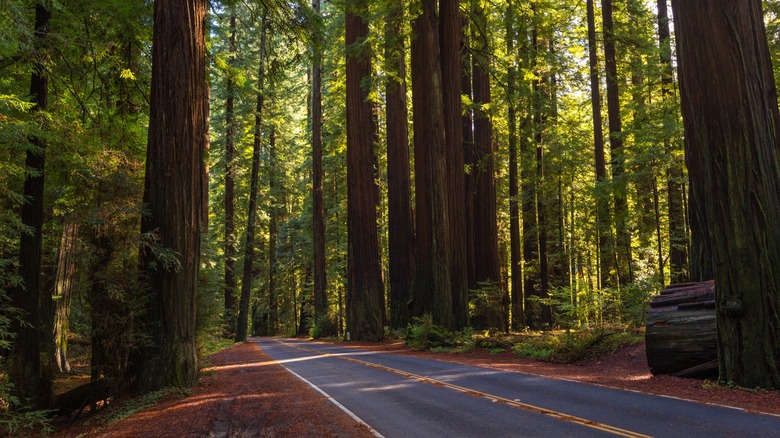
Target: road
pixel 401 396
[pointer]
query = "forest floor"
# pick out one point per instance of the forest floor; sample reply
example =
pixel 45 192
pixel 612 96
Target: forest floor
pixel 244 393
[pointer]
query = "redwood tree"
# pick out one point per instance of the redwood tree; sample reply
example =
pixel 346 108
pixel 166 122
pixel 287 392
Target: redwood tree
pixel 485 227
pixel 318 209
pixel 230 150
pixel 451 72
pixel 603 229
pixel 249 242
pixel 173 193
pixel 365 294
pixel 731 124
pixel 432 288
pixel 399 216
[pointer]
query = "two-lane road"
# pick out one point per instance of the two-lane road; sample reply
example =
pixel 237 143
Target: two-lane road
pixel 401 396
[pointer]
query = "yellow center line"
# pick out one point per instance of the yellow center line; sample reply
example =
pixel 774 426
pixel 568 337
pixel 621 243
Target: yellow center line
pixel 514 403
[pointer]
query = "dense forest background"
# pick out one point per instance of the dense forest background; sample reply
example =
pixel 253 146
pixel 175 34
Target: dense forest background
pixel 571 210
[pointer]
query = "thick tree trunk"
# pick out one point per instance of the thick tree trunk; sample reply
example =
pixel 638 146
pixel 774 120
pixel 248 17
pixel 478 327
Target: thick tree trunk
pixel 485 225
pixel 625 272
pixel 451 71
pixel 433 292
pixel 732 138
pixel 400 220
pixel 29 375
pixel 173 192
pixel 365 296
pixel 318 209
pixel 230 149
pixel 249 242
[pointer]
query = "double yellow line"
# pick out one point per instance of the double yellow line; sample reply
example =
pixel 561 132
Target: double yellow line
pixel 514 403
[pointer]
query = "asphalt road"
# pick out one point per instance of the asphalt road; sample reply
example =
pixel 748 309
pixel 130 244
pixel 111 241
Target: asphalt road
pixel 401 396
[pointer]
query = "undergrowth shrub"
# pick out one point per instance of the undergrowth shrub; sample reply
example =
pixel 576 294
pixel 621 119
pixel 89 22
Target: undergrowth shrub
pixel 423 334
pixel 325 326
pixel 574 346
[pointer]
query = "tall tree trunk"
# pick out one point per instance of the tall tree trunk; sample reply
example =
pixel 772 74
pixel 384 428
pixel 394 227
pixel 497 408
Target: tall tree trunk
pixel 485 225
pixel 731 124
pixel 400 221
pixel 678 239
pixel 624 266
pixel 515 260
pixel 173 191
pixel 540 104
pixel 433 292
pixel 451 70
pixel 63 293
pixel 30 377
pixel 365 294
pixel 230 149
pixel 603 228
pixel 249 242
pixel 318 209
pixel 273 235
pixel 531 272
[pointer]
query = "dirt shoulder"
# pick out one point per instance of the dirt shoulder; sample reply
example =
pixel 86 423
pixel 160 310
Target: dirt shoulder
pixel 244 393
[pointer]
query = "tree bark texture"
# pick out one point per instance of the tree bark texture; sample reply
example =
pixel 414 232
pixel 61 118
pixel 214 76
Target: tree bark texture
pixel 365 294
pixel 318 209
pixel 230 149
pixel 29 375
pixel 433 292
pixel 173 191
pixel 485 225
pixel 451 25
pixel 731 138
pixel 400 220
pixel 249 242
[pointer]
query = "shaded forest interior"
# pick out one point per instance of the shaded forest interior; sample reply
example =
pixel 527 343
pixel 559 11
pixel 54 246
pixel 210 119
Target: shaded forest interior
pixel 358 168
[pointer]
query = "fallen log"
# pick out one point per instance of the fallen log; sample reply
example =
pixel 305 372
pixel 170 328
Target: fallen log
pixel 681 335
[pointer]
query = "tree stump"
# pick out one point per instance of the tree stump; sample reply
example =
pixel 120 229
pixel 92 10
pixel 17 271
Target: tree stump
pixel 681 335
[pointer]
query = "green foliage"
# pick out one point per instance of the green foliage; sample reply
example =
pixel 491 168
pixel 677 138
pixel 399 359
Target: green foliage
pixel 488 307
pixel 17 419
pixel 324 327
pixel 423 334
pixel 627 305
pixel 575 346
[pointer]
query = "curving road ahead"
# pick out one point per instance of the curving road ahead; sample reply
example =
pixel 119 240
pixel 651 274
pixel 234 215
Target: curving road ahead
pixel 401 396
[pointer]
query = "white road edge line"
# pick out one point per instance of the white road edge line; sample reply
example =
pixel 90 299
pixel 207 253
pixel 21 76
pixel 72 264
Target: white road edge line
pixel 335 402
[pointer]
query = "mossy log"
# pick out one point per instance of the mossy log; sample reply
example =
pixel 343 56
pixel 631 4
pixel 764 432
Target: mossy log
pixel 681 336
